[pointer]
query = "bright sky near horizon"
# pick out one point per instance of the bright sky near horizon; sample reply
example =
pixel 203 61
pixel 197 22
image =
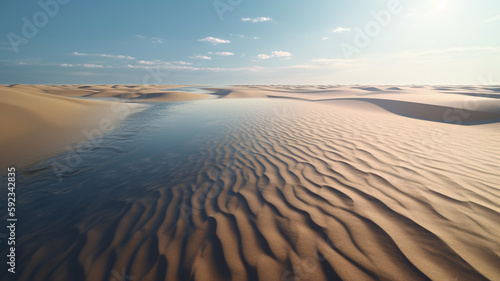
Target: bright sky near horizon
pixel 250 42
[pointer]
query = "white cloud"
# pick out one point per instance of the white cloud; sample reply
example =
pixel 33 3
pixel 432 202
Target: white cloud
pixel 160 63
pixel 493 19
pixel 84 73
pixel 154 40
pixel 86 65
pixel 258 19
pixel 281 54
pixel 275 54
pixel 104 56
pixel 182 63
pixel 201 57
pixel 225 54
pixel 237 35
pixel 324 38
pixel 333 62
pixel 256 37
pixel 341 29
pixel 214 40
pixel 90 65
pixel 148 62
pixel 191 68
pixel 263 57
pixel 185 66
pixel 157 40
pixel 153 62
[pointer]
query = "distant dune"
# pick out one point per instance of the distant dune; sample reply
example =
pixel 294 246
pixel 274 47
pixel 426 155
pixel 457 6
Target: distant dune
pixel 36 124
pixel 325 183
pixel 41 120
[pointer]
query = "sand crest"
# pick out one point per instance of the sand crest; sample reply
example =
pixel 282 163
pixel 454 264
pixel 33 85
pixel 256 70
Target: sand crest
pixel 311 183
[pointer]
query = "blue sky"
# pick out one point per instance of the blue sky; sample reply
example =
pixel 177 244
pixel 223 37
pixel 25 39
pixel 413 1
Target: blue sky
pixel 250 42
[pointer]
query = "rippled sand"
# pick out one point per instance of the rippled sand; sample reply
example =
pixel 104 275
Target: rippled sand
pixel 280 190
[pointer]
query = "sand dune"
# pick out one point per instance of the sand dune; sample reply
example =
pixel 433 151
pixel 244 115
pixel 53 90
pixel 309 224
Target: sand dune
pixel 37 124
pixel 169 96
pixel 445 114
pixel 139 93
pixel 42 119
pixel 319 183
pixel 454 106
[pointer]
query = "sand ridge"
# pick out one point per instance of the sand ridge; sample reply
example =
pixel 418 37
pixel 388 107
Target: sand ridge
pixel 321 184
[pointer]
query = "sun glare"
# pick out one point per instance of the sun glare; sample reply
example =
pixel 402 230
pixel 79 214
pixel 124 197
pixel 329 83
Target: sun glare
pixel 440 5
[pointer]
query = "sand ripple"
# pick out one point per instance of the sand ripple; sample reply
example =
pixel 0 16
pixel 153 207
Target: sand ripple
pixel 297 191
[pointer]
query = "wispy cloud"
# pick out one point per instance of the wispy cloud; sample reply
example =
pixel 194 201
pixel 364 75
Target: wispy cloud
pixel 83 73
pixel 451 51
pixel 201 57
pixel 258 19
pixel 182 63
pixel 160 63
pixel 275 54
pixel 140 64
pixel 224 54
pixel 263 57
pixel 169 66
pixel 281 54
pixel 104 56
pixel 323 64
pixel 341 29
pixel 149 62
pixel 154 40
pixel 493 19
pixel 214 40
pixel 326 64
pixel 91 65
pixel 331 60
pixel 334 62
pixel 86 65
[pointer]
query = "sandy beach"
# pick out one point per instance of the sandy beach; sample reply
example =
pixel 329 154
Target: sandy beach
pixel 257 182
